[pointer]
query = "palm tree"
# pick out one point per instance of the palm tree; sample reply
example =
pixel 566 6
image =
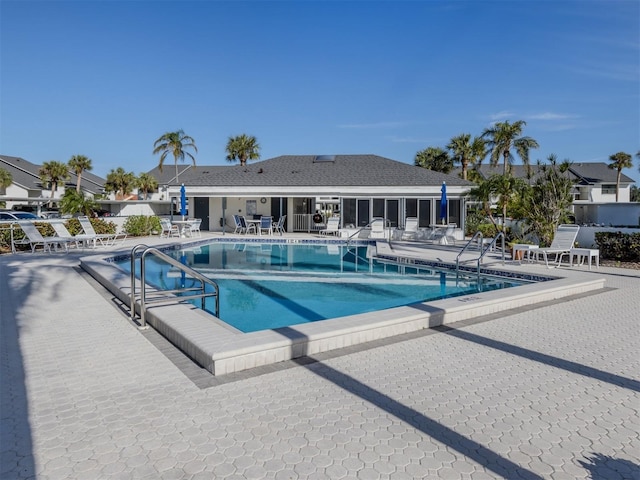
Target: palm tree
pixel 73 202
pixel 119 181
pixel 53 173
pixel 243 148
pixel 504 136
pixel 79 164
pixel 434 158
pixel 147 183
pixel 5 179
pixel 467 152
pixel 174 143
pixel 619 161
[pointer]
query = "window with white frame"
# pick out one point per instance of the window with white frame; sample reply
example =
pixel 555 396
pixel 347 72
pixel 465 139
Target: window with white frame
pixel 608 189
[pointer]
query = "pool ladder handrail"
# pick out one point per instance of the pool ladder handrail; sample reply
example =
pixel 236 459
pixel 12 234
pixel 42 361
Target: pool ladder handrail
pixel 478 236
pixel 167 296
pixel 387 224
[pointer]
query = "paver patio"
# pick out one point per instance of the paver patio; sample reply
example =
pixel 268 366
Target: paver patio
pixel 545 392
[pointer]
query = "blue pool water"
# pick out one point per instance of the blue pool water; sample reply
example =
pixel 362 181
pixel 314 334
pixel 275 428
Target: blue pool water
pixel 266 286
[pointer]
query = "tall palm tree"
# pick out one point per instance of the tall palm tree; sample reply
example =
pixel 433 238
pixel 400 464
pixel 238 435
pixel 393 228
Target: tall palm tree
pixel 119 181
pixel 619 161
pixel 174 143
pixel 467 152
pixel 53 173
pixel 504 136
pixel 434 158
pixel 460 148
pixel 243 148
pixel 79 164
pixel 146 183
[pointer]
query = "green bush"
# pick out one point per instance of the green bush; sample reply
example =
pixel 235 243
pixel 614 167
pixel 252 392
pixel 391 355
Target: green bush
pixel 101 226
pixel 142 226
pixel 623 247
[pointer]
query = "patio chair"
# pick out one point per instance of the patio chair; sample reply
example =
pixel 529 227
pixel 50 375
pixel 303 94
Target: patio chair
pixel 278 227
pixel 377 228
pixel 266 225
pixel 333 226
pixel 238 224
pixel 410 228
pixel 62 232
pixel 106 239
pixel 168 229
pixel 247 226
pixel 35 239
pixel 562 243
pixel 192 229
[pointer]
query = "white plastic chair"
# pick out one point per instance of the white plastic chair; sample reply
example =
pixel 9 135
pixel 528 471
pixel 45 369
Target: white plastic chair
pixel 168 229
pixel 333 226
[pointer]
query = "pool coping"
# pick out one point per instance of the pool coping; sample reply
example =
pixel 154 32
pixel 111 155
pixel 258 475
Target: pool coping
pixel 221 349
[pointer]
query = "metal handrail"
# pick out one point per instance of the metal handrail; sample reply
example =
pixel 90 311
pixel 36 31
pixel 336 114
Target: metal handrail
pixel 202 295
pixel 482 251
pixel 477 235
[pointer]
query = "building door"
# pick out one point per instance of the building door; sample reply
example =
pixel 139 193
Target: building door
pixel 201 210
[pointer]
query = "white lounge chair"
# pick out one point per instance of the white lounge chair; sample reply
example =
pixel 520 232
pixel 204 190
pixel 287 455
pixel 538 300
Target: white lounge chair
pixel 562 243
pixel 84 239
pixel 106 239
pixel 333 227
pixel 410 228
pixel 377 229
pixel 35 239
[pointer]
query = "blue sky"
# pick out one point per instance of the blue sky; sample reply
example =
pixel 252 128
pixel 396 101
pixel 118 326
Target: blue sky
pixel 106 78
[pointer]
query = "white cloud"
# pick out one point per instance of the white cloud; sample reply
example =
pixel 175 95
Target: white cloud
pixel 550 116
pixel 496 117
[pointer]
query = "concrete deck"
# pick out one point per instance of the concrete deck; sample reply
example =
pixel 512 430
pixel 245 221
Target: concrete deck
pixel 550 390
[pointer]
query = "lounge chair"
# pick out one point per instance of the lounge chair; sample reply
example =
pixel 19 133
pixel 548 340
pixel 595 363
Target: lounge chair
pixel 410 228
pixel 377 228
pixel 278 227
pixel 62 232
pixel 333 226
pixel 34 238
pixel 106 239
pixel 266 225
pixel 562 243
pixel 168 229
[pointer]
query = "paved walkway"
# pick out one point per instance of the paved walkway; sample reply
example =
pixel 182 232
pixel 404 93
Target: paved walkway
pixel 546 393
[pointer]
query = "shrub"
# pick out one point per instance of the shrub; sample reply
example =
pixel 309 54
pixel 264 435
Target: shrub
pixel 623 247
pixel 101 226
pixel 141 225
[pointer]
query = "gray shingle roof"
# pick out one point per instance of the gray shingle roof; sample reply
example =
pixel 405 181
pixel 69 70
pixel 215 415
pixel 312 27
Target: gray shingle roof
pixel 582 173
pixel 302 171
pixel 26 174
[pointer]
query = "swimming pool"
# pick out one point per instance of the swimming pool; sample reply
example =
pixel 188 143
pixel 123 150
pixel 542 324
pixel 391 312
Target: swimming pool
pixel 272 285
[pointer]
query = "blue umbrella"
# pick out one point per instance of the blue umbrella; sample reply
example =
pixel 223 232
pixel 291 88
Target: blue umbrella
pixel 443 202
pixel 183 201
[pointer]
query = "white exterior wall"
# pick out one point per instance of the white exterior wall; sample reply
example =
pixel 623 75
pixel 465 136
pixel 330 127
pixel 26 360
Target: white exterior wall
pixel 596 196
pixel 608 213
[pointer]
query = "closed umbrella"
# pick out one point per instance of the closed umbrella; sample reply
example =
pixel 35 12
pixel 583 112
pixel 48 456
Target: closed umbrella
pixel 183 201
pixel 443 202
